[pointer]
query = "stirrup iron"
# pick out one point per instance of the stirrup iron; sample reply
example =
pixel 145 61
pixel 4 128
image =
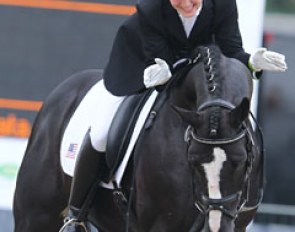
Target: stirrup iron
pixel 68 221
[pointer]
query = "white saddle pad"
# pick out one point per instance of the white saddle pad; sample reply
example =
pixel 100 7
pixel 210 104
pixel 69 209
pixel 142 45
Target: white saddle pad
pixel 81 121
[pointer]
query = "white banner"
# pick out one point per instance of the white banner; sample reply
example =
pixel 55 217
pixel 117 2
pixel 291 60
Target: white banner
pixel 251 18
pixel 11 154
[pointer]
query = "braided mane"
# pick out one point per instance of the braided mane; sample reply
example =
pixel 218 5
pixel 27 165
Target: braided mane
pixel 211 57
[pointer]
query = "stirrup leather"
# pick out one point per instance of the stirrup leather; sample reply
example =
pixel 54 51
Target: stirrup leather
pixel 68 221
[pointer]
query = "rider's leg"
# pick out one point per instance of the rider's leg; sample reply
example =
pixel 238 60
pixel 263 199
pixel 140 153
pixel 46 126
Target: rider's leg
pixel 89 169
pixel 91 164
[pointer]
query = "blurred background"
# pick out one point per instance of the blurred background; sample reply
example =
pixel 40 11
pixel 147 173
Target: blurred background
pixel 44 42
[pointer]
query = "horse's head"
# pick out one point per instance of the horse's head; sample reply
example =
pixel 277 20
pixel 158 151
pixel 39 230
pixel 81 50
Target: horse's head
pixel 213 102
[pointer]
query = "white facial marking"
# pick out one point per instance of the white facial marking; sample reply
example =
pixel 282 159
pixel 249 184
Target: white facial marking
pixel 212 171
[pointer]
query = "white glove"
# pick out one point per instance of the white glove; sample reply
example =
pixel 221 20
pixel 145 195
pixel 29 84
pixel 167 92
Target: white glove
pixel 156 74
pixel 262 59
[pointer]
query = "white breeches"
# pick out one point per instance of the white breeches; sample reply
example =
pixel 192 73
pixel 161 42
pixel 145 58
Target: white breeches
pixel 108 105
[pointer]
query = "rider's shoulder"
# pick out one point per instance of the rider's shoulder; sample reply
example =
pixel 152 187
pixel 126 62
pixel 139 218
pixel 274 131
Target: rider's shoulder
pixel 226 5
pixel 149 6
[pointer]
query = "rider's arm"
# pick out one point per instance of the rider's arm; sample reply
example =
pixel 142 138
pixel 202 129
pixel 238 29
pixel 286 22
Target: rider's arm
pixel 228 37
pixel 154 40
pixel 227 32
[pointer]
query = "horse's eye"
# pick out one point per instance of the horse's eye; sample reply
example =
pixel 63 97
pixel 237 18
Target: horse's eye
pixel 237 159
pixel 200 158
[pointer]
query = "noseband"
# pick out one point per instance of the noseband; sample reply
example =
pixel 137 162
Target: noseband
pixel 206 204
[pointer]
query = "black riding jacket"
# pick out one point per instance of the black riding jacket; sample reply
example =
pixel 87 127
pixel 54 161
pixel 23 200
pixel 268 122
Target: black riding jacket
pixel 156 31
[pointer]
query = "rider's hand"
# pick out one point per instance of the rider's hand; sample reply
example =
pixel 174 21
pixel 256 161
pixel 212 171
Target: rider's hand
pixel 262 59
pixel 156 74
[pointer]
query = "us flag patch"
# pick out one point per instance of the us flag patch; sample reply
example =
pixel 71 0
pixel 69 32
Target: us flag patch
pixel 71 153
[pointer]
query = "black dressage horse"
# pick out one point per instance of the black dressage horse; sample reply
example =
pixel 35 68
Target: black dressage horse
pixel 198 166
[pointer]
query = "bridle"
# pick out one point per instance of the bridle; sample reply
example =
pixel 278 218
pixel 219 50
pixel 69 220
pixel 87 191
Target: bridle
pixel 206 204
pixel 190 133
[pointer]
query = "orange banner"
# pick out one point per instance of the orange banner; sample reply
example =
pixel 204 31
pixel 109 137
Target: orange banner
pixel 20 104
pixel 14 126
pixel 90 7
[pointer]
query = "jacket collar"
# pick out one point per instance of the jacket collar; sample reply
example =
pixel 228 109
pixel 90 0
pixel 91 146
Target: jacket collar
pixel 204 19
pixel 174 22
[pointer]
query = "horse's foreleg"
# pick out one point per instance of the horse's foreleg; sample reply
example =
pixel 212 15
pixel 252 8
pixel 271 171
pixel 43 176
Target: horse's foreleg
pixel 244 219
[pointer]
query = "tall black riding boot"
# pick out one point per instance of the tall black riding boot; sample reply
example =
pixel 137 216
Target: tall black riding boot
pixel 90 167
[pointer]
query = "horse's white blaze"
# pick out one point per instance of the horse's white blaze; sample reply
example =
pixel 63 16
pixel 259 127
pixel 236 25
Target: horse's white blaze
pixel 212 171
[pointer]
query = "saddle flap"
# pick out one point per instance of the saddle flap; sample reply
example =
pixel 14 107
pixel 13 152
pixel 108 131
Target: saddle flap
pixel 122 127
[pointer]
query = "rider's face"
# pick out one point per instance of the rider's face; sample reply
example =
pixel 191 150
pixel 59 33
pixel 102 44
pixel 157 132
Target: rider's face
pixel 187 8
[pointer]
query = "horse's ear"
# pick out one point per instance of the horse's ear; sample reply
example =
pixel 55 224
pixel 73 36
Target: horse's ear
pixel 240 113
pixel 189 116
